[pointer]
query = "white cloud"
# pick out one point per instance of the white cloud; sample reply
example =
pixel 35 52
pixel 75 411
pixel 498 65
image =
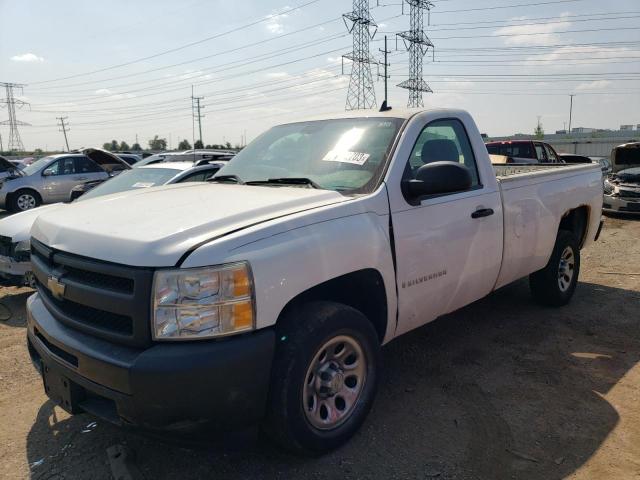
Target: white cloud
pixel 540 34
pixel 277 75
pixel 103 91
pixel 27 58
pixel 594 85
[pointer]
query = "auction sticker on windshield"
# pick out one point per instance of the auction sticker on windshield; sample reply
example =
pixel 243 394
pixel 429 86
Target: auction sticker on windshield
pixel 143 185
pixel 357 158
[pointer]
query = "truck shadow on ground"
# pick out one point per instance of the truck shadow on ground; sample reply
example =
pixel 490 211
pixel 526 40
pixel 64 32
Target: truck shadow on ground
pixel 12 311
pixel 501 389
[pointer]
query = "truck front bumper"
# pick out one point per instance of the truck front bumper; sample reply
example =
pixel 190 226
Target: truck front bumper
pixel 620 204
pixel 177 387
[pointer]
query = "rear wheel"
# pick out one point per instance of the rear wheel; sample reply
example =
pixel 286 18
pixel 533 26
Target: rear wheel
pixel 25 200
pixel 554 284
pixel 324 377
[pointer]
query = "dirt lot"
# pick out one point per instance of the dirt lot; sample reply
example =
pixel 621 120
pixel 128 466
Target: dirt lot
pixel 503 389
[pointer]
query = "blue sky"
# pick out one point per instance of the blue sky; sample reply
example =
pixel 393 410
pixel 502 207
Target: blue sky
pixel 505 62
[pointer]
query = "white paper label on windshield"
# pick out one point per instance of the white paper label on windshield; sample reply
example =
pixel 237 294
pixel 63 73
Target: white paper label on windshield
pixel 357 158
pixel 143 185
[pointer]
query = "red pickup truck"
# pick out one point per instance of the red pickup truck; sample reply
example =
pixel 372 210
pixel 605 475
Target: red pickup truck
pixel 524 151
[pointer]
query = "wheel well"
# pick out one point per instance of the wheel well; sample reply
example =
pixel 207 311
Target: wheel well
pixel 30 190
pixel 576 221
pixel 363 290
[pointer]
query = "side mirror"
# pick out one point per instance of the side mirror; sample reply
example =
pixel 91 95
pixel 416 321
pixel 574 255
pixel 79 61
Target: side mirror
pixel 438 178
pixel 48 172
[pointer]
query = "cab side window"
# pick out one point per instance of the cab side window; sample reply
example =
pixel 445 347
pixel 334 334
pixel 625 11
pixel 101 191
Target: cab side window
pixel 63 166
pixel 542 156
pixel 551 154
pixel 200 176
pixel 443 140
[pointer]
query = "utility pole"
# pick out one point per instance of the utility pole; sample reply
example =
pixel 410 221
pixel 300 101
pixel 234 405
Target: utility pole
pixel 418 43
pixel 385 103
pixel 361 93
pixel 195 108
pixel 15 143
pixel 571 109
pixel 1 149
pixel 64 130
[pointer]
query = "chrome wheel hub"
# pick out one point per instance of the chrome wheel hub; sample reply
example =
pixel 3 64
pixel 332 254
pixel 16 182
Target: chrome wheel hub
pixel 333 383
pixel 26 202
pixel 566 269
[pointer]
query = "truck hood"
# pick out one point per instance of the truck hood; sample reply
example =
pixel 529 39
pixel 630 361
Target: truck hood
pixel 628 176
pixel 155 227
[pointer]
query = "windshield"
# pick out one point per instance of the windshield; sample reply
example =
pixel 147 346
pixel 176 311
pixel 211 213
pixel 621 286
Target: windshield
pixel 36 166
pixel 135 178
pixel 346 155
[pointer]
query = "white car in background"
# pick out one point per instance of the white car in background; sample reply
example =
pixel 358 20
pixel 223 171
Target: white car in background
pixel 15 248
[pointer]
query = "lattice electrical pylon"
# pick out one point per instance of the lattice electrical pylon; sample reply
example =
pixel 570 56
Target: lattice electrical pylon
pixel 15 143
pixel 361 93
pixel 417 42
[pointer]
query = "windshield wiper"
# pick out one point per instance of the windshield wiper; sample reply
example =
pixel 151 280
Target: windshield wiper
pixel 226 178
pixel 286 181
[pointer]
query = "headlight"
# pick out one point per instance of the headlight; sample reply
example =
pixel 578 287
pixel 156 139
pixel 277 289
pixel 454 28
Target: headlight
pixel 608 187
pixel 196 303
pixel 23 246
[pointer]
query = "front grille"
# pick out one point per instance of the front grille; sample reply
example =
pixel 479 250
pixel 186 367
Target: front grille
pixel 110 322
pixel 100 298
pixel 629 193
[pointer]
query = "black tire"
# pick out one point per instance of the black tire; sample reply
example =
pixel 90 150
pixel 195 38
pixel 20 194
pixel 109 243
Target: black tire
pixel 24 199
pixel 548 286
pixel 301 334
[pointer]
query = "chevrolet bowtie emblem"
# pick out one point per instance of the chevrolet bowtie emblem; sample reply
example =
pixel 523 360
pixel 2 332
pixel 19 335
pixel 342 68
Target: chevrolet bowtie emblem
pixel 56 287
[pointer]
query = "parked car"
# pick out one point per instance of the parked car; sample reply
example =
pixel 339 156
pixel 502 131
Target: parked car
pixel 50 179
pixel 186 156
pixel 524 151
pixel 19 164
pixel 622 186
pixel 264 295
pixel 604 163
pixel 15 250
pixel 130 158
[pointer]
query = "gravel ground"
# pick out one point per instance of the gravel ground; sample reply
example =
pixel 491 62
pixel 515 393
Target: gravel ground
pixel 502 389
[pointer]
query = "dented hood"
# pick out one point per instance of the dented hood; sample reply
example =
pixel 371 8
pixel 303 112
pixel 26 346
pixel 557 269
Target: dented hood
pixel 155 227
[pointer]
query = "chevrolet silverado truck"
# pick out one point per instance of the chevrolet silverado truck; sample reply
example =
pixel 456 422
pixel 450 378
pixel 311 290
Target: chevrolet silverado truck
pixel 263 297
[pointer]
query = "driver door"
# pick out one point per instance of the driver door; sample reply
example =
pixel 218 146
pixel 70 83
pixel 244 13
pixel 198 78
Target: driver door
pixel 61 179
pixel 446 255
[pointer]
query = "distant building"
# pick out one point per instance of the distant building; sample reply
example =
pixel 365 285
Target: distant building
pixel 561 132
pixel 626 128
pixel 582 130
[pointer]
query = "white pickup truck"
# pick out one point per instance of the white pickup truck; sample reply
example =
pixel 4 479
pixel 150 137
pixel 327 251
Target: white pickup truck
pixel 264 296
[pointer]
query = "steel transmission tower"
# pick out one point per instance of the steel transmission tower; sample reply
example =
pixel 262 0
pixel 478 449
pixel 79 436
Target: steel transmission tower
pixel 417 42
pixel 361 93
pixel 15 143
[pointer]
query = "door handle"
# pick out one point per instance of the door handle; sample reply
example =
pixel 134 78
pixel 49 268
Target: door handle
pixel 482 212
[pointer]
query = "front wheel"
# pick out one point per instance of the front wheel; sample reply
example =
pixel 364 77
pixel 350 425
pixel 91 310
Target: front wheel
pixel 324 377
pixel 554 284
pixel 24 200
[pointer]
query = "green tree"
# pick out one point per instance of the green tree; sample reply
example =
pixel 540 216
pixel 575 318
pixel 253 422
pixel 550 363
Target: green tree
pixel 136 147
pixel 198 144
pixel 184 145
pixel 124 145
pixel 114 145
pixel 158 143
pixel 106 146
pixel 228 144
pixel 539 131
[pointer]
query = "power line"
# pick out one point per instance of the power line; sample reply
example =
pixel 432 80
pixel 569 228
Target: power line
pixel 182 47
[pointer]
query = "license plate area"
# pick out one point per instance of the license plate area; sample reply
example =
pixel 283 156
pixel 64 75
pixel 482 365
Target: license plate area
pixel 62 391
